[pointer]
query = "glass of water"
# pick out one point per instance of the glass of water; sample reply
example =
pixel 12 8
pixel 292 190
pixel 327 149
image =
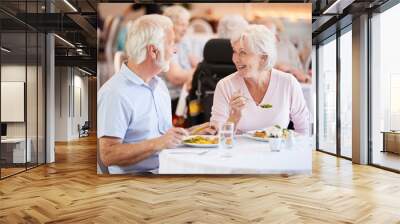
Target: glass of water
pixel 275 144
pixel 226 132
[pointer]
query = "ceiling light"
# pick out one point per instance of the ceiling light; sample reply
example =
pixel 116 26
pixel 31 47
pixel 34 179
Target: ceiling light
pixel 5 50
pixel 328 10
pixel 337 7
pixel 70 5
pixel 84 71
pixel 65 41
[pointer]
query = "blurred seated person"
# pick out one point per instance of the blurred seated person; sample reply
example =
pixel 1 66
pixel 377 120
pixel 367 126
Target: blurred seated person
pixel 130 14
pixel 134 109
pixel 183 63
pixel 200 26
pixel 198 33
pixel 288 57
pixel 229 25
pixel 238 97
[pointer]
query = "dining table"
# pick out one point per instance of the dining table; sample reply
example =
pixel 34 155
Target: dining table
pixel 247 156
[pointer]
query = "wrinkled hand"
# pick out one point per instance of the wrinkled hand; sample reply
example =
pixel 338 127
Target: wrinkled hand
pixel 300 76
pixel 172 138
pixel 236 104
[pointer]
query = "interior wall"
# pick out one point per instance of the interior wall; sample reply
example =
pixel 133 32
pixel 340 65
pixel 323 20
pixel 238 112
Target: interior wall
pixel 80 109
pixel 71 102
pixel 17 73
pixel 62 80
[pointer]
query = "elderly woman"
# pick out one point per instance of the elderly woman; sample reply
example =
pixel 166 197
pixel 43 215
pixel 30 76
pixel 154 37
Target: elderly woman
pixel 258 96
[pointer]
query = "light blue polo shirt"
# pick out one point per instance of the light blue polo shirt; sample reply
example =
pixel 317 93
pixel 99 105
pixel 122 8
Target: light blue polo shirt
pixel 130 109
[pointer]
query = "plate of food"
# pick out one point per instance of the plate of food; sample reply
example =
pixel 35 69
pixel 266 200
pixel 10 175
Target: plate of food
pixel 258 135
pixel 265 134
pixel 201 141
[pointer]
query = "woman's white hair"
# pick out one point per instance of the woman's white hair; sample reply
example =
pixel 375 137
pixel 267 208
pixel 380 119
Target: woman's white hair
pixel 259 40
pixel 146 30
pixel 177 13
pixel 229 25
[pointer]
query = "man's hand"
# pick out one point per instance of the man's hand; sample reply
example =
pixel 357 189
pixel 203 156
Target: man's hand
pixel 172 138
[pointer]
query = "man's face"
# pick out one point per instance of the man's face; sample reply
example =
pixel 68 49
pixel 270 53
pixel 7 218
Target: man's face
pixel 169 45
pixel 164 57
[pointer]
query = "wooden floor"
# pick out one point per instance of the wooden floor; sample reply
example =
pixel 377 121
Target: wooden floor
pixel 70 191
pixel 10 171
pixel 387 159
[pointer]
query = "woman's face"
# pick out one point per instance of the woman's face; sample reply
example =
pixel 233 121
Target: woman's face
pixel 180 28
pixel 248 64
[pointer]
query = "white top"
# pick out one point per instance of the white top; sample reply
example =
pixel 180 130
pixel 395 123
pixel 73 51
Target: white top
pixel 246 157
pixel 284 94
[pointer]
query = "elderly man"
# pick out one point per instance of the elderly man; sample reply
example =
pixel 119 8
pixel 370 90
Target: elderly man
pixel 134 110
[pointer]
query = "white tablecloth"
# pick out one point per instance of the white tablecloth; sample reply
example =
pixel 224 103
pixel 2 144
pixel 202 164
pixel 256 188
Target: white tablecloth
pixel 246 157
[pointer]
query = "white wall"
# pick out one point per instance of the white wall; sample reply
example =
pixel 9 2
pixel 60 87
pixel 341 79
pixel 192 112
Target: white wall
pixel 62 81
pixel 71 94
pixel 33 127
pixel 17 73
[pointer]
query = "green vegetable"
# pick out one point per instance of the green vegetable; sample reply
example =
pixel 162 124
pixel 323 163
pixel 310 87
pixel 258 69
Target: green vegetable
pixel 267 106
pixel 277 126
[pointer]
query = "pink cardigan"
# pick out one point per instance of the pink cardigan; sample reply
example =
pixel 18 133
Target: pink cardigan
pixel 284 94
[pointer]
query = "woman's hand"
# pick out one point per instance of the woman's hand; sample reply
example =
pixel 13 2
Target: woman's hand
pixel 236 104
pixel 207 128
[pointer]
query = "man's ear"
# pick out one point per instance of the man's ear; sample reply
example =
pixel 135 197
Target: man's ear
pixel 152 51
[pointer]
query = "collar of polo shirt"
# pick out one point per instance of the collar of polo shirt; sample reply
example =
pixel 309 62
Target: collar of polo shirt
pixel 131 76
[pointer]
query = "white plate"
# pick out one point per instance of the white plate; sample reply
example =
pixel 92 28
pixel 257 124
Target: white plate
pixel 251 136
pixel 200 145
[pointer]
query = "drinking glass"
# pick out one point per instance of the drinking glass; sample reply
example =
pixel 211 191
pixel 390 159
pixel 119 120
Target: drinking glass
pixel 275 144
pixel 226 132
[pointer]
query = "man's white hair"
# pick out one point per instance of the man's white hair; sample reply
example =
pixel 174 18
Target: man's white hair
pixel 259 40
pixel 146 30
pixel 229 25
pixel 177 13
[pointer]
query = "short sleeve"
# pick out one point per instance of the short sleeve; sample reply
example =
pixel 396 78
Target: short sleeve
pixel 114 115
